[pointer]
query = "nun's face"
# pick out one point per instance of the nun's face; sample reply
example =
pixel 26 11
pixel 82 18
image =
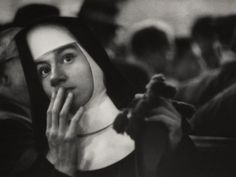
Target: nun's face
pixel 61 63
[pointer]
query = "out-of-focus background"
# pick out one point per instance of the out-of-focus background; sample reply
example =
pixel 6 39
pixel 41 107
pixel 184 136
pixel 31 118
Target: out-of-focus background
pixel 191 42
pixel 178 13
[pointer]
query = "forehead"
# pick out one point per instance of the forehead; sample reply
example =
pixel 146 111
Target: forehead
pixel 44 39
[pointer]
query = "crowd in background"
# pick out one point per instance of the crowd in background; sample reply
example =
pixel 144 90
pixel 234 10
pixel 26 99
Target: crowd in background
pixel 201 66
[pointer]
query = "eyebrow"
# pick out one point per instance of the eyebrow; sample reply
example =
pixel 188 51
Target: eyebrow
pixel 67 46
pixel 57 51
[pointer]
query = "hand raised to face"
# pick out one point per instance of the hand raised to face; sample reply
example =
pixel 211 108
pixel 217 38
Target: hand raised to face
pixel 61 132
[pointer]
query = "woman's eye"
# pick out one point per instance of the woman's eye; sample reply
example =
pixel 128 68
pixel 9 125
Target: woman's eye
pixel 44 71
pixel 68 58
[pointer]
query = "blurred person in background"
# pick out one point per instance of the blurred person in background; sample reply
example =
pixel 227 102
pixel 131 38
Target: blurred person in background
pixel 149 44
pixel 187 63
pixel 100 16
pixel 217 116
pixel 15 120
pixel 203 34
pixel 225 30
pixel 206 86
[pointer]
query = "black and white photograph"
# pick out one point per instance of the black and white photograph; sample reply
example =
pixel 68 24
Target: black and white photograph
pixel 117 88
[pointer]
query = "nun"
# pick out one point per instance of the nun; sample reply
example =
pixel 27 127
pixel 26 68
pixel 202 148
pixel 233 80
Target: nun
pixel 76 94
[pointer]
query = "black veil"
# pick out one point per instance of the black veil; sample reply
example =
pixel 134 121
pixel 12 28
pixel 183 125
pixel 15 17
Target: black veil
pixel 118 89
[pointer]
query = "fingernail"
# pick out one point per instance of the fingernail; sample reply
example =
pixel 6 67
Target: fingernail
pixel 81 108
pixel 61 90
pixel 70 94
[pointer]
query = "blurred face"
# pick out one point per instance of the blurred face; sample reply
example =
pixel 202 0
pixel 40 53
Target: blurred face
pixel 15 86
pixel 61 63
pixel 12 79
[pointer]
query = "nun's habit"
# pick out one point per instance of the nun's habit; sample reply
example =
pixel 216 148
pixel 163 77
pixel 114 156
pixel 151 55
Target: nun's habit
pixel 181 162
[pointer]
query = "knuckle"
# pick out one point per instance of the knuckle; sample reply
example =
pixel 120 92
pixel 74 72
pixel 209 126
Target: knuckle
pixel 54 112
pixel 47 133
pixel 179 124
pixel 60 137
pixel 75 119
pixel 176 125
pixel 69 138
pixel 53 135
pixel 62 114
pixel 49 112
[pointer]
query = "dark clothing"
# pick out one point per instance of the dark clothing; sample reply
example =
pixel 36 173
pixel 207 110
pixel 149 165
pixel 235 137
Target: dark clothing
pixel 182 163
pixel 202 89
pixel 12 146
pixel 191 91
pixel 217 117
pixel 122 168
pixel 134 74
pixel 216 121
pixel 18 154
pixel 19 158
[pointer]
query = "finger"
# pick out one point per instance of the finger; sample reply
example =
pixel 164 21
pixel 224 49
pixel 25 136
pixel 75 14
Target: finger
pixel 74 121
pixel 49 112
pixel 163 119
pixel 163 111
pixel 167 103
pixel 64 113
pixel 56 108
pixel 185 109
pixel 173 127
pixel 138 95
pixel 169 122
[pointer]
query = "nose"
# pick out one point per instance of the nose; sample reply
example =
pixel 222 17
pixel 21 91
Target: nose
pixel 58 76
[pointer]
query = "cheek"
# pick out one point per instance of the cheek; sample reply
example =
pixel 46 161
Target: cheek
pixel 85 83
pixel 81 72
pixel 46 87
pixel 82 77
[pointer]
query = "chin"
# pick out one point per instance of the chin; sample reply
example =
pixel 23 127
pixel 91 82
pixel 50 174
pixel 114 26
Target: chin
pixel 76 105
